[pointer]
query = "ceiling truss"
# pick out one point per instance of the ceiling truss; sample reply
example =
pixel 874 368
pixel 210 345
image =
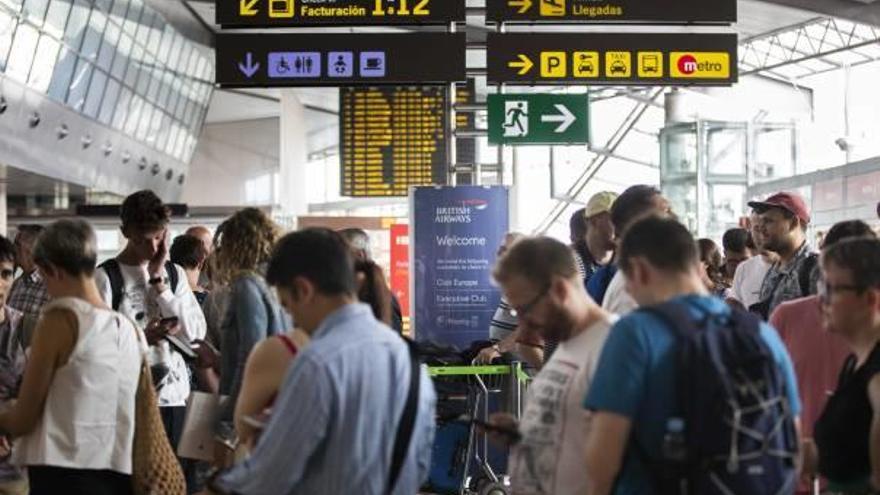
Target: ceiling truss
pixel 814 47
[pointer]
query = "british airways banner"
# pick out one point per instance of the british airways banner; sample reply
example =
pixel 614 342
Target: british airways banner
pixel 456 235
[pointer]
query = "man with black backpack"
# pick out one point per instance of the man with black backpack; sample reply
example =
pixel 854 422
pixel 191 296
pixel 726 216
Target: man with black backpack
pixel 689 396
pixel 784 218
pixel 144 285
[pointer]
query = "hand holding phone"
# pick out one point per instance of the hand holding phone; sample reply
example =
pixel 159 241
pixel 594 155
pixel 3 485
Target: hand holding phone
pixel 501 428
pixel 157 329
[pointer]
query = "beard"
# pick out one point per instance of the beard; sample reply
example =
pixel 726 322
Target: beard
pixel 558 326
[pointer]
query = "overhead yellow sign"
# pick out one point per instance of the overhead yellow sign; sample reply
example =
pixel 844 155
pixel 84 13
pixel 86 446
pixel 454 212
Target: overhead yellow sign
pixel 699 65
pixel 650 59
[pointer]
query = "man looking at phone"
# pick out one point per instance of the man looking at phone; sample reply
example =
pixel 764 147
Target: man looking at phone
pixel 142 284
pixel 540 280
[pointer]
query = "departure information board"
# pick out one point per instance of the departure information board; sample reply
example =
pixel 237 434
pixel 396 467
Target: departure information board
pixel 391 138
pixel 294 13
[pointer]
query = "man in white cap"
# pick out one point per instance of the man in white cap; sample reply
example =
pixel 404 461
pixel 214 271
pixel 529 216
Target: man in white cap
pixel 600 232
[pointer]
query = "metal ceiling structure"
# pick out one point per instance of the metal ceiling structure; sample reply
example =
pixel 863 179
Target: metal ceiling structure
pixel 810 48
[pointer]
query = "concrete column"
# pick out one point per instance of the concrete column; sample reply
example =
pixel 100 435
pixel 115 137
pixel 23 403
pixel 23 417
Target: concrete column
pixel 294 156
pixel 677 107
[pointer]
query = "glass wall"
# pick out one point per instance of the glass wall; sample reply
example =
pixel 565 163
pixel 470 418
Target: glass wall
pixel 115 61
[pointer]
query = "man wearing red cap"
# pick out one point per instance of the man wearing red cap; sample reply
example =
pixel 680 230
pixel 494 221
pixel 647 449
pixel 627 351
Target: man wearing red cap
pixel 783 222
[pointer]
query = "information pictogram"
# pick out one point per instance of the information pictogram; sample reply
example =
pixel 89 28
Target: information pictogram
pixel 552 8
pixel 553 64
pixel 340 64
pixel 281 9
pixel 702 65
pixel 650 64
pixel 585 64
pixel 538 119
pixel 618 64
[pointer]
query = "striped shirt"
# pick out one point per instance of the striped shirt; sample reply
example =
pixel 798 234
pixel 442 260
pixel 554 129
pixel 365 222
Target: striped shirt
pixel 333 427
pixel 504 322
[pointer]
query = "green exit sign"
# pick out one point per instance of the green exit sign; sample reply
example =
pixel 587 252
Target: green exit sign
pixel 539 119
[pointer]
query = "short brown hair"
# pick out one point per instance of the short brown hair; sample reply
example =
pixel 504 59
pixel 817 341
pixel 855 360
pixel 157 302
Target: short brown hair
pixel 538 259
pixel 144 210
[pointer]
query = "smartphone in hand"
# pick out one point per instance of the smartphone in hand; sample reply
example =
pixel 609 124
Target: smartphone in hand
pixel 513 435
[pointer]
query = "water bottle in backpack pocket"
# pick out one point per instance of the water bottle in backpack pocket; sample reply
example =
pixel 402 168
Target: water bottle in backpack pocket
pixel 733 431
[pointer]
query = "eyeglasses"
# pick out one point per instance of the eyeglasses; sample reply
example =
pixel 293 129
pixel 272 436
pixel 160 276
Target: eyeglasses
pixel 523 310
pixel 826 290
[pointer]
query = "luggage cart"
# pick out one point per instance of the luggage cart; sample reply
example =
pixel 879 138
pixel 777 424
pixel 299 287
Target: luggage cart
pixel 461 454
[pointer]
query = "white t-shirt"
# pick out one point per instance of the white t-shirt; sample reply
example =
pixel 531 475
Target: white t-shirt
pixel 549 460
pixel 141 303
pixel 617 299
pixel 748 279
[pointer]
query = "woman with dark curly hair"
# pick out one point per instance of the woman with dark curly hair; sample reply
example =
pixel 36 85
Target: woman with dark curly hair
pixel 712 267
pixel 244 245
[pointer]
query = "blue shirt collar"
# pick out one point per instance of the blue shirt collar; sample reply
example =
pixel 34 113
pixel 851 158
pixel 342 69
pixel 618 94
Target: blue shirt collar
pixel 338 317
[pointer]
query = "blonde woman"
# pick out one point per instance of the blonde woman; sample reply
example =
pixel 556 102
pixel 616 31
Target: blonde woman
pixel 244 244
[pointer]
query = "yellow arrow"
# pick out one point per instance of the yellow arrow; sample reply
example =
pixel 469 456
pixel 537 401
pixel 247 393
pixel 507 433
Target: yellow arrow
pixel 524 5
pixel 246 8
pixel 524 65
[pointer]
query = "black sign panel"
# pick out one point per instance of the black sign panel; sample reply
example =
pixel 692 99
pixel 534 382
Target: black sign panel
pixel 274 60
pixel 392 138
pixel 466 147
pixel 620 59
pixel 612 11
pixel 293 13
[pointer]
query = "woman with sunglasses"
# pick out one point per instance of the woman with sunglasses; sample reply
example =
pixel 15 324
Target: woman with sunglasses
pixel 847 434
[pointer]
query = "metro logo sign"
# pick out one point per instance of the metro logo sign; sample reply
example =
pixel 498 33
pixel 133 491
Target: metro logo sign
pixel 700 65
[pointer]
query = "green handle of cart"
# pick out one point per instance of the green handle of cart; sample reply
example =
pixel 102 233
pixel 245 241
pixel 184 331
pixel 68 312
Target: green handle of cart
pixel 468 370
pixel 521 375
pixel 492 370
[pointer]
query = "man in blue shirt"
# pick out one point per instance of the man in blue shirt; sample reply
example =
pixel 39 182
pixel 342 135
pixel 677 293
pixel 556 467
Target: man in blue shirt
pixel 333 427
pixel 633 390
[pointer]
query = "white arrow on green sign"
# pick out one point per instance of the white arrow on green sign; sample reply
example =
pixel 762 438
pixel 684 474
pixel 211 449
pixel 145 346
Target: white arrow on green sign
pixel 539 119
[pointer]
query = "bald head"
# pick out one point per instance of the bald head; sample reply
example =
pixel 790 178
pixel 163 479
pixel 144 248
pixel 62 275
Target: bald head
pixel 203 234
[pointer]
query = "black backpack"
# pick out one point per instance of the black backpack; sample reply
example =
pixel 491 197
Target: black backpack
pixel 117 284
pixel 739 433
